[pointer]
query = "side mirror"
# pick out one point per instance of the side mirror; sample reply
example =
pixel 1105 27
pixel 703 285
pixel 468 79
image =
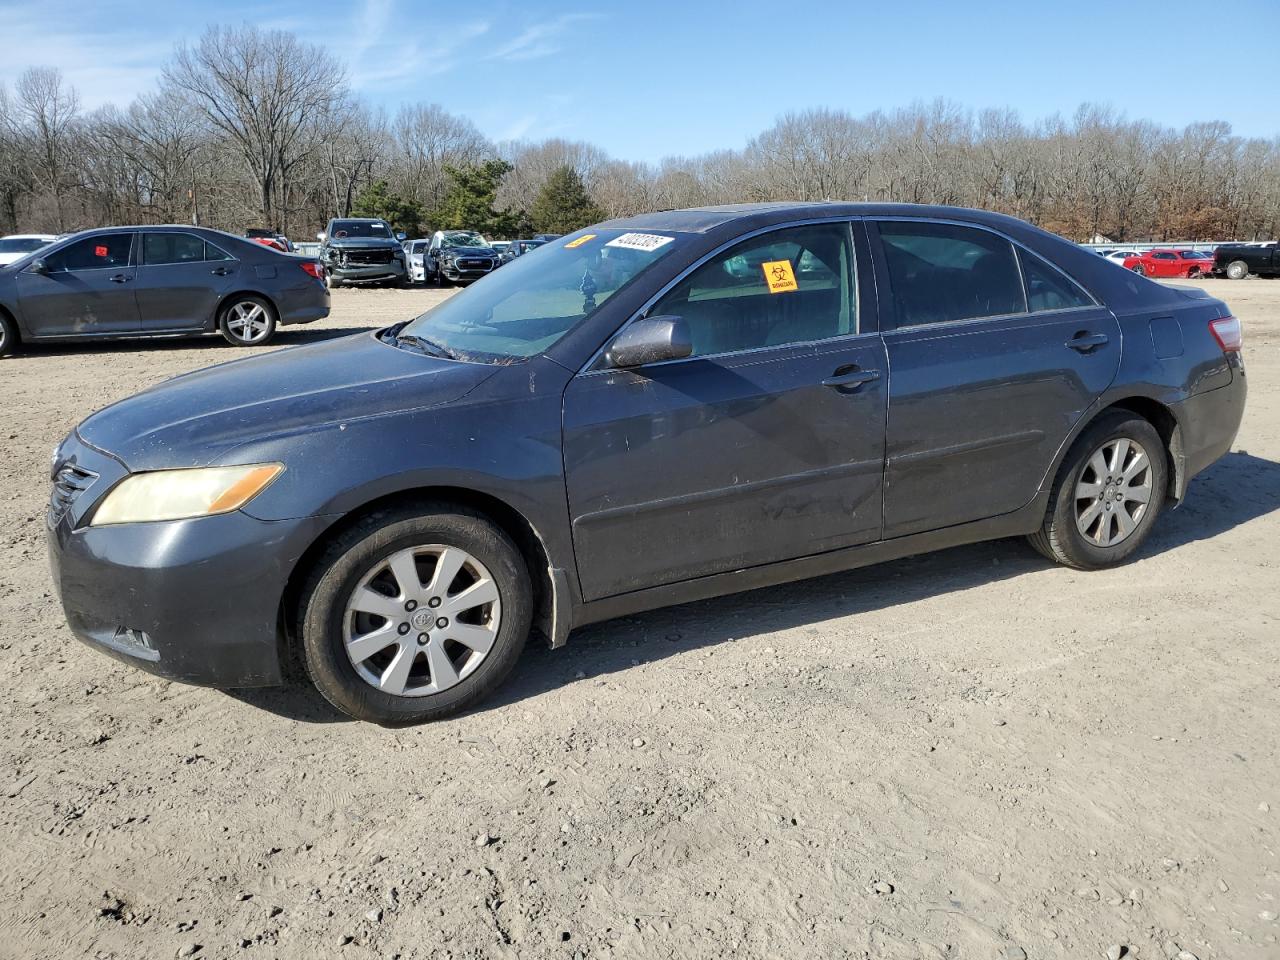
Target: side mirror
pixel 320 237
pixel 650 340
pixel 39 266
pixel 401 236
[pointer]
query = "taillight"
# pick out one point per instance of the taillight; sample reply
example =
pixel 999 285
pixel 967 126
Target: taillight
pixel 1227 332
pixel 313 268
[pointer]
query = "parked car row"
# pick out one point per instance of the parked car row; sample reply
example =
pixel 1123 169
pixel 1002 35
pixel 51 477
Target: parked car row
pixel 460 256
pixel 1235 261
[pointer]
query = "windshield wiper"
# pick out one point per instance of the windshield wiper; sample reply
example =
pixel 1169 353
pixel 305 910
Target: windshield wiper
pixel 429 347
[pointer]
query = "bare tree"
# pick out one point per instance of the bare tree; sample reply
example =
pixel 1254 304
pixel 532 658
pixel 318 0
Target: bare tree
pixel 262 90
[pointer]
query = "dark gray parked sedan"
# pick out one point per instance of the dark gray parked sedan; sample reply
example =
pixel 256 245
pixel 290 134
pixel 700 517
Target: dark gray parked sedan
pixel 156 282
pixel 650 411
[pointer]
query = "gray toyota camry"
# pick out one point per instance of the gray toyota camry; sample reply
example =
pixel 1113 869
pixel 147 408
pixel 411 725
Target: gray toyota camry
pixel 650 411
pixel 163 281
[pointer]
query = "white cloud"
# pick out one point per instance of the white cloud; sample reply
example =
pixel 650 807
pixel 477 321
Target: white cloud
pixel 539 40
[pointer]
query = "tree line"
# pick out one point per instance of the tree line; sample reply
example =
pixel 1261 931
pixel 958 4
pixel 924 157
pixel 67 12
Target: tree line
pixel 252 127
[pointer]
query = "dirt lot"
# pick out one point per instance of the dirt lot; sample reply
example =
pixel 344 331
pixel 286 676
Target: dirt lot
pixel 967 755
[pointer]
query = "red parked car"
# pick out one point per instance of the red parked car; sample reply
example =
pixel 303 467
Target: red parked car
pixel 1170 263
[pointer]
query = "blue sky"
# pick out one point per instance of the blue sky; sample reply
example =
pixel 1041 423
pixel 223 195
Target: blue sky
pixel 647 80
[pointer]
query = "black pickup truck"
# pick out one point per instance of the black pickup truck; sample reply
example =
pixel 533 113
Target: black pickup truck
pixel 1237 260
pixel 361 251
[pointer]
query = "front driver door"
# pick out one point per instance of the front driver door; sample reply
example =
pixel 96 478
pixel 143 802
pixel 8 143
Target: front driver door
pixel 767 444
pixel 88 289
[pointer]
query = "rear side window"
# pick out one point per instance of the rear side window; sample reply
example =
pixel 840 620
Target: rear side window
pixel 941 272
pixel 92 253
pixel 1048 288
pixel 161 248
pixel 789 286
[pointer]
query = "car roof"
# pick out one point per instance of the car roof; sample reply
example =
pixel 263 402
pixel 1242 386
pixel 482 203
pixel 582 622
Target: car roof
pixel 29 236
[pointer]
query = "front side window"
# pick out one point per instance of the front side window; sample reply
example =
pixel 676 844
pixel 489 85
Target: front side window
pixel 1048 288
pixel 92 253
pixel 524 308
pixel 942 272
pixel 164 248
pixel 788 286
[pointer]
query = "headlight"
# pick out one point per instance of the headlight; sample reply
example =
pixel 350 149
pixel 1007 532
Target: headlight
pixel 179 494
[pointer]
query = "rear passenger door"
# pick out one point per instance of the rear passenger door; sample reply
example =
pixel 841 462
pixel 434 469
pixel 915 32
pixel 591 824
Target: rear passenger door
pixel 181 280
pixel 766 444
pixel 994 355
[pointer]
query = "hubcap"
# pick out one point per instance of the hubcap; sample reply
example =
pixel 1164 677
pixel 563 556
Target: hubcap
pixel 450 606
pixel 1113 493
pixel 248 321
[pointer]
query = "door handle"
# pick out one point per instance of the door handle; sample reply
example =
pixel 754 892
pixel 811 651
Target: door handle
pixel 849 379
pixel 220 272
pixel 121 278
pixel 1086 342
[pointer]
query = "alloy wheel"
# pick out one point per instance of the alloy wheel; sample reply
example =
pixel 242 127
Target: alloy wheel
pixel 1113 493
pixel 422 620
pixel 249 321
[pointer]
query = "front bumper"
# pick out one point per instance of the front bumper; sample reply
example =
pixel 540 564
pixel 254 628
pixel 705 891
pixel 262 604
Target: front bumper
pixel 366 273
pixel 455 270
pixel 198 601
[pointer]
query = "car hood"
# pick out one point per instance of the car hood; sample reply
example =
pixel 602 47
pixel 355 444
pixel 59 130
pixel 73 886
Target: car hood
pixel 363 243
pixel 195 419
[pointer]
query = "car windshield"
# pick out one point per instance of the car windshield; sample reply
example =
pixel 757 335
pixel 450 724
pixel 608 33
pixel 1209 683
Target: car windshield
pixel 22 244
pixel 524 308
pixel 359 228
pixel 462 240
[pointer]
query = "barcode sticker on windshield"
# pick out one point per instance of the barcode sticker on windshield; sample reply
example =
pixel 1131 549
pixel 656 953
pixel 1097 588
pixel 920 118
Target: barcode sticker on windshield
pixel 640 241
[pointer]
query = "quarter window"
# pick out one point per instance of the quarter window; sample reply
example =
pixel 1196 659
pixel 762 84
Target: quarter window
pixel 941 272
pixel 789 286
pixel 161 248
pixel 92 253
pixel 1048 288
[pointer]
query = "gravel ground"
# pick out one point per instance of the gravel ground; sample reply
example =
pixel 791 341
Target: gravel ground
pixel 972 754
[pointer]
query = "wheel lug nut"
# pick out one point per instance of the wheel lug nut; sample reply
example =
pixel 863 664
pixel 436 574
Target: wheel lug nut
pixel 433 602
pixel 442 622
pixel 422 639
pixel 411 605
pixel 404 628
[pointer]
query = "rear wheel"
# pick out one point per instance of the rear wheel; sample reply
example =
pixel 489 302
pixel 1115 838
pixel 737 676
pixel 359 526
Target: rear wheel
pixel 415 615
pixel 247 321
pixel 1107 494
pixel 8 336
pixel 1237 270
pixel 1193 273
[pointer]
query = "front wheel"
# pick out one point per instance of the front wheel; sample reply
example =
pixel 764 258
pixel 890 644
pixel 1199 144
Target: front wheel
pixel 1107 494
pixel 1139 269
pixel 1237 270
pixel 247 321
pixel 415 615
pixel 8 336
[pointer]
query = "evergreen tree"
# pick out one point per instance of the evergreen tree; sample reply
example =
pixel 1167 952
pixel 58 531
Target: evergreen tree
pixel 563 204
pixel 469 201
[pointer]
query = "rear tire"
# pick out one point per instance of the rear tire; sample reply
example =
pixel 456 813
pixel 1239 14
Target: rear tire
pixel 366 568
pixel 1237 270
pixel 247 321
pixel 9 341
pixel 1097 515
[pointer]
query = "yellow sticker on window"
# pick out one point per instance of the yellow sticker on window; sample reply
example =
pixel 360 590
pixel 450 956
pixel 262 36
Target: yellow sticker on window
pixel 779 276
pixel 580 241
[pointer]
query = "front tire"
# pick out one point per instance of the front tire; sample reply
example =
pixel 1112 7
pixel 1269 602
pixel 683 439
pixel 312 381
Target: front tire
pixel 1107 495
pixel 247 321
pixel 415 614
pixel 9 341
pixel 1237 270
pixel 1139 269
